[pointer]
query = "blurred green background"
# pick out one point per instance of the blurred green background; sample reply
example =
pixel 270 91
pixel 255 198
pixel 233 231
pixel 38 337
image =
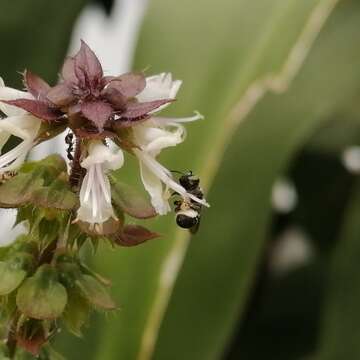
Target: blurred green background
pixel 272 273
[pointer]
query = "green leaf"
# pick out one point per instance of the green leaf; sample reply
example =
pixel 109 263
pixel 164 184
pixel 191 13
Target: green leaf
pixel 42 296
pixel 339 329
pixel 221 263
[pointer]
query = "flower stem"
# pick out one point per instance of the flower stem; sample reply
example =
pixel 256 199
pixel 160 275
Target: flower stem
pixel 77 172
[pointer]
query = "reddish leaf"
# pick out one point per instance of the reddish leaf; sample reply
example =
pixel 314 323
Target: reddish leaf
pixel 68 71
pixel 127 123
pixel 97 111
pixel 74 110
pixel 132 235
pixel 115 97
pixel 129 84
pixel 87 65
pixel 137 110
pixel 38 108
pixel 35 85
pixel 106 79
pixel 61 95
pixel 93 133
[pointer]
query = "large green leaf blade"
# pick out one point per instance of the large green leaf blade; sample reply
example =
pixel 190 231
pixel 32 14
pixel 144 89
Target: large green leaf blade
pixel 214 282
pixel 220 54
pixel 339 330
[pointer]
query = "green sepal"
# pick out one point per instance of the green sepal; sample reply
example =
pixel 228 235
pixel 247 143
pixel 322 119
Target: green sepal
pixel 18 190
pixel 94 292
pixel 13 272
pixel 57 195
pixel 54 164
pixel 131 201
pixel 76 313
pixel 76 278
pixel 86 270
pixel 42 296
pixel 111 226
pixel 41 183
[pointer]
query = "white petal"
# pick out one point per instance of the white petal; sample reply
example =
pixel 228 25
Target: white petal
pixel 154 139
pixel 22 126
pixel 159 87
pixel 7 93
pixel 14 158
pixel 161 121
pixel 87 184
pixel 94 205
pixel 102 154
pixel 167 140
pixel 25 127
pixel 154 187
pixel 104 183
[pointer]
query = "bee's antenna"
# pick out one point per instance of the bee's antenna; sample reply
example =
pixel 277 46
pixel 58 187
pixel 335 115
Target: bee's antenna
pixel 177 172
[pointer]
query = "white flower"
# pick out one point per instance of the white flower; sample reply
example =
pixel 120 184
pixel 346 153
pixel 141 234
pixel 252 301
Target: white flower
pixel 159 87
pixel 156 134
pixel 95 193
pixel 20 124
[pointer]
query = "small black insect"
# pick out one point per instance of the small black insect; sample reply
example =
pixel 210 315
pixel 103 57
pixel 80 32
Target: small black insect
pixel 69 140
pixel 187 210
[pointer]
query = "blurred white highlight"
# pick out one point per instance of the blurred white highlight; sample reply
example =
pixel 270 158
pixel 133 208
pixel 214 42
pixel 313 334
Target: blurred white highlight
pixel 113 38
pixel 351 159
pixel 284 196
pixel 292 249
pixel 9 233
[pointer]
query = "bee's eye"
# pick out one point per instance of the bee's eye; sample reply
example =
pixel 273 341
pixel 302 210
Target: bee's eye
pixel 186 222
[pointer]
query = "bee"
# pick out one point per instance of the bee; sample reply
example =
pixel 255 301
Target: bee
pixel 69 138
pixel 187 210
